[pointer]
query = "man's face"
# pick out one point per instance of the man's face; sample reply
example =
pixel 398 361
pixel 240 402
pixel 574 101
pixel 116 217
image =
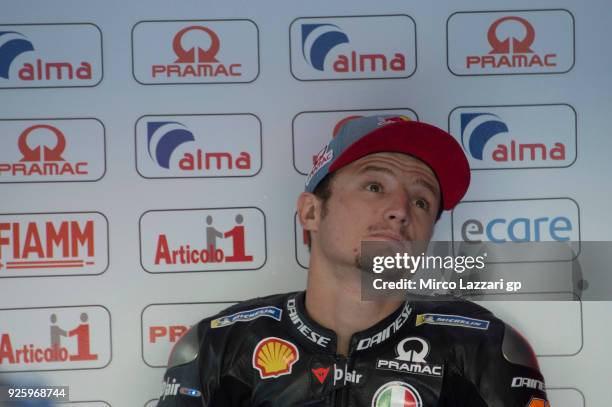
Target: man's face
pixel 386 197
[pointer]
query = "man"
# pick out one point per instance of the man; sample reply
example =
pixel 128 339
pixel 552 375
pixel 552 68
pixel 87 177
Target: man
pixel 382 179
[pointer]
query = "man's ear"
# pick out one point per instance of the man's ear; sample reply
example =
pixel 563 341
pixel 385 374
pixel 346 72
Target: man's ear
pixel 309 211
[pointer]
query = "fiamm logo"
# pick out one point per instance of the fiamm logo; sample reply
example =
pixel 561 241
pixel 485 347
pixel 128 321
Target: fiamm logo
pixel 198 51
pixel 505 137
pixel 53 244
pixel 510 42
pixel 203 240
pixel 198 146
pixel 59 338
pixel 34 55
pixel 52 150
pixel 364 47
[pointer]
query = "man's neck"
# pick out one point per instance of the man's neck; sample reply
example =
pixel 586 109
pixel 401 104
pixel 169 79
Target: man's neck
pixel 333 300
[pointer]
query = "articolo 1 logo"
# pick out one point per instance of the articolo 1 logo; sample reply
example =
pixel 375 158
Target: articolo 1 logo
pixel 52 150
pixel 76 338
pixel 516 42
pixel 530 136
pixel 199 51
pixel 203 240
pixel 53 244
pixel 33 55
pixel 353 47
pixel 198 146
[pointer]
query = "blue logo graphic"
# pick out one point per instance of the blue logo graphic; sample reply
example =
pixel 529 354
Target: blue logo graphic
pixel 163 138
pixel 477 129
pixel 318 40
pixel 249 315
pixel 451 320
pixel 10 49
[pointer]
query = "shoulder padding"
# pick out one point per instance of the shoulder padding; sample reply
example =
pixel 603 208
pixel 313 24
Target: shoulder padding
pixel 517 350
pixel 186 349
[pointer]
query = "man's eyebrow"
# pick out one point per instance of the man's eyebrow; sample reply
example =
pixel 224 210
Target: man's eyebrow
pixel 419 181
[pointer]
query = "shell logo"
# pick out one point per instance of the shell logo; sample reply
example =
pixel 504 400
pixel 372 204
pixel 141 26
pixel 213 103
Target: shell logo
pixel 274 357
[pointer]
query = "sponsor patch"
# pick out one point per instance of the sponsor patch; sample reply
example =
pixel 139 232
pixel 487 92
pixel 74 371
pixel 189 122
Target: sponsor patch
pixel 451 320
pixel 248 315
pixel 397 394
pixel 411 354
pixel 535 402
pixel 190 392
pixel 274 357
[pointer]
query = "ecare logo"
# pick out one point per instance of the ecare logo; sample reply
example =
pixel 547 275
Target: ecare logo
pixel 505 137
pixel 360 47
pixel 52 150
pixel 314 130
pixel 202 240
pixel 512 42
pixel 197 51
pixel 518 221
pixel 36 55
pixel 164 324
pixel 61 338
pixel 198 146
pixel 53 244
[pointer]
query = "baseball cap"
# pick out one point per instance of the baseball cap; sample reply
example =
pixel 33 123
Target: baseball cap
pixel 362 136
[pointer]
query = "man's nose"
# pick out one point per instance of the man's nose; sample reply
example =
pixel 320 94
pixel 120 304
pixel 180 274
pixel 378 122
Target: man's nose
pixel 398 209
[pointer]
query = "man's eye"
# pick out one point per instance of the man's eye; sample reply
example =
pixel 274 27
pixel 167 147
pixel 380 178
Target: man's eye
pixel 374 187
pixel 422 203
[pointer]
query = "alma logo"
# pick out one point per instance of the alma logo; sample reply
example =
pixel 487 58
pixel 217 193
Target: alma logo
pixel 53 244
pixel 77 338
pixel 353 47
pixel 198 51
pixel 202 240
pixel 164 324
pixel 52 150
pixel 482 43
pixel 529 136
pixel 32 55
pixel 186 146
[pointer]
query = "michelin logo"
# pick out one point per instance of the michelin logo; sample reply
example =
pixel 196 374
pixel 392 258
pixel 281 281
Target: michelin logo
pixel 451 320
pixel 248 315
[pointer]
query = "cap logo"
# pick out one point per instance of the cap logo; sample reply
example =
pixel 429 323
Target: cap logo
pixel 323 157
pixel 382 121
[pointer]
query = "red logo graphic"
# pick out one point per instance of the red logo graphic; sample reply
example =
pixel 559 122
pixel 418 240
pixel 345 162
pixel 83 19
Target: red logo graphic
pixel 50 154
pixel 56 352
pixel 341 123
pixel 69 238
pixel 186 66
pixel 321 373
pixel 511 52
pixel 274 357
pixel 172 332
pixel 185 254
pixel 188 56
pixel 534 402
pixel 42 160
pixel 518 46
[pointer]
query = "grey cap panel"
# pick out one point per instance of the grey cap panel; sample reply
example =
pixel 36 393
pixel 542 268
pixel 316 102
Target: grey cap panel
pixel 517 350
pixel 186 349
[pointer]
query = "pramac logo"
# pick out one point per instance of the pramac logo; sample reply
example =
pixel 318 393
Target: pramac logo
pixel 206 51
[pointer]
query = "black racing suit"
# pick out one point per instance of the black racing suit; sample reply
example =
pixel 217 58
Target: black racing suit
pixel 268 352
